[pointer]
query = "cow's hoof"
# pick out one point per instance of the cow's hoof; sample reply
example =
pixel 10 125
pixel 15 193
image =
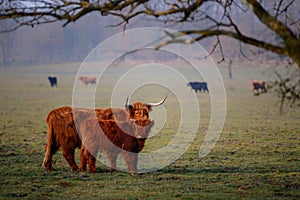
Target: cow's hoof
pixel 75 169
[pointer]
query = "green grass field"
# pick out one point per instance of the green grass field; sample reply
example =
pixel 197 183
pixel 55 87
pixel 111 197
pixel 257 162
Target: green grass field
pixel 256 157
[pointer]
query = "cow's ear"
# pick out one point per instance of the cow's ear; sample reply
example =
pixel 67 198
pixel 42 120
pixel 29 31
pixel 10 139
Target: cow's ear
pixel 149 107
pixel 129 107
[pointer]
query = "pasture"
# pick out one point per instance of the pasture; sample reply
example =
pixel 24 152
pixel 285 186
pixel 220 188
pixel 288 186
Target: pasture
pixel 257 155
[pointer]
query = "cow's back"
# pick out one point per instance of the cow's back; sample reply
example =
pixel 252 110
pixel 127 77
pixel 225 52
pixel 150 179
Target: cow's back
pixel 62 127
pixel 118 114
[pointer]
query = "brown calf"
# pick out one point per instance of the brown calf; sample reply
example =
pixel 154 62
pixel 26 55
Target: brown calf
pixel 113 138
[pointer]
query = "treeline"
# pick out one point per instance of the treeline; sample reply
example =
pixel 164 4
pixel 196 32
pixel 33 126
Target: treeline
pixel 51 43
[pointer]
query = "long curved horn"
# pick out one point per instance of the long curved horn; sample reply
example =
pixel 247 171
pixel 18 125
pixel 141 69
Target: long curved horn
pixel 126 104
pixel 158 103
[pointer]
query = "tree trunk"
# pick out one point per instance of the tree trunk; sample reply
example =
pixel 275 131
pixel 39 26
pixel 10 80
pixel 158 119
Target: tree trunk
pixel 293 48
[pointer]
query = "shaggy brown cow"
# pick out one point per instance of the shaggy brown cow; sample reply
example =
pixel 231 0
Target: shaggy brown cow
pixel 87 79
pixel 113 138
pixel 62 131
pixel 62 128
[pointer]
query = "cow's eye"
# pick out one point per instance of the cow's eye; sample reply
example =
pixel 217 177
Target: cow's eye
pixel 137 112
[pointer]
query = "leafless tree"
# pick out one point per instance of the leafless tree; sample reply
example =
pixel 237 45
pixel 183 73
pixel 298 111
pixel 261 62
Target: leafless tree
pixel 287 86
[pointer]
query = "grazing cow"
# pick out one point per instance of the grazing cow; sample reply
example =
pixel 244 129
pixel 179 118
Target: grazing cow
pixel 53 81
pixel 87 79
pixel 258 87
pixel 113 138
pixel 62 123
pixel 198 86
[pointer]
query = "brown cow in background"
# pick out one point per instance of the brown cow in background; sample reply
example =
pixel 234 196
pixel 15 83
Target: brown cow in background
pixel 87 79
pixel 113 138
pixel 62 123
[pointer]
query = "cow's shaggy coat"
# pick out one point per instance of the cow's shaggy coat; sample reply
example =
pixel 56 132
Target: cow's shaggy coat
pixel 62 126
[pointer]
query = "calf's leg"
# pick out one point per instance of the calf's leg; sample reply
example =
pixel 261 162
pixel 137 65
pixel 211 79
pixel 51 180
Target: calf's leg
pixel 112 156
pixel 83 159
pixel 91 162
pixel 131 160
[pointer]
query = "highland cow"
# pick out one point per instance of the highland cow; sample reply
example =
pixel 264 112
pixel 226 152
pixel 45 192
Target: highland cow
pixel 62 132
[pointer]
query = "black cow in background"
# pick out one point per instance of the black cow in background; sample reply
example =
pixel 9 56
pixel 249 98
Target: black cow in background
pixel 198 86
pixel 53 81
pixel 258 87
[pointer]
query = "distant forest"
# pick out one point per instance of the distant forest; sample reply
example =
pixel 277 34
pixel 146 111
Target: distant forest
pixel 51 43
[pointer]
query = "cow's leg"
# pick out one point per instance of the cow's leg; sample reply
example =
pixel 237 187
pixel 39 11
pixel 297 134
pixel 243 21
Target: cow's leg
pixel 112 156
pixel 68 153
pixel 91 162
pixel 89 158
pixel 83 159
pixel 131 160
pixel 49 151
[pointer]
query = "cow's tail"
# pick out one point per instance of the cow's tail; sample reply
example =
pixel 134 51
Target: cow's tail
pixel 49 147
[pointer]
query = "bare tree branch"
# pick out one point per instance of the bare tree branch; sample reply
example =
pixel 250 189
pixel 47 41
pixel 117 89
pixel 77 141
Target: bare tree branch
pixel 32 13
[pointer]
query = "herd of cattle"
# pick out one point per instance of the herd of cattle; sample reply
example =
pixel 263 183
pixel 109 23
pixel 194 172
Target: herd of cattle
pixel 257 86
pixel 112 131
pixel 84 79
